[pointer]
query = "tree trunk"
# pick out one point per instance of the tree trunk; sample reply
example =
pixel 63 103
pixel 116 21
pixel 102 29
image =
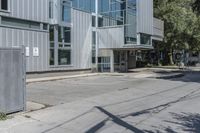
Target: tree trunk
pixel 171 62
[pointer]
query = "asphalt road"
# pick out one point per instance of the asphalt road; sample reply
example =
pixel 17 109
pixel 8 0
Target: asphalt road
pixel 122 104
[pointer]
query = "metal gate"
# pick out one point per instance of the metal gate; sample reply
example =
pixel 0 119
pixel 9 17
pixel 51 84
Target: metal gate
pixel 12 80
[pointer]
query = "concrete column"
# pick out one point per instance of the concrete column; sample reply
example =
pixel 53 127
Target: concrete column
pixel 112 69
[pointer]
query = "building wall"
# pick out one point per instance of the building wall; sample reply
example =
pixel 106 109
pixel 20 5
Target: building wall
pixel 81 34
pixel 81 43
pixel 11 37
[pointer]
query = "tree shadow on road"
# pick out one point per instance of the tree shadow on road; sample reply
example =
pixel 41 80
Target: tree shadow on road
pixel 186 77
pixel 187 122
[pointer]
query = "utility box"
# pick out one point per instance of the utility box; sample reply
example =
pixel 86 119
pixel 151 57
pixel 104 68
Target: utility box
pixel 12 80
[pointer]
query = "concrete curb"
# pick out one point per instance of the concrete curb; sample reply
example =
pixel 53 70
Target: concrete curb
pixel 45 79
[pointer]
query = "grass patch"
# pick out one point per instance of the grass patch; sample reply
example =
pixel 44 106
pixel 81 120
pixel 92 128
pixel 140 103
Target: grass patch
pixel 3 116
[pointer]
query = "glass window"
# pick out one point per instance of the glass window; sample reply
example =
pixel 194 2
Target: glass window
pixel 64 57
pixel 20 23
pixel 51 32
pixel 93 21
pixel 52 46
pixel 85 5
pixel 94 37
pixel 51 9
pixel 66 11
pixel 51 57
pixel 145 39
pixel 93 47
pixel 67 35
pixel 100 22
pixel 60 37
pixel 45 26
pixel 64 34
pixel 4 4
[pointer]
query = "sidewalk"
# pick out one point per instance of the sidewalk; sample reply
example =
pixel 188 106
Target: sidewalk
pixel 139 72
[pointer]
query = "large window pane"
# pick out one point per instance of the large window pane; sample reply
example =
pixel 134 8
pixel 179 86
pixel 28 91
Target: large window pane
pixel 66 11
pixel 60 36
pixel 64 57
pixel 145 39
pixel 51 32
pixel 67 35
pixel 4 4
pixel 51 9
pixel 52 59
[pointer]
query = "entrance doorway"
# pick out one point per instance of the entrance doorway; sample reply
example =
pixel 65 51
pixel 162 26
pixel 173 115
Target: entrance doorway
pixel 120 61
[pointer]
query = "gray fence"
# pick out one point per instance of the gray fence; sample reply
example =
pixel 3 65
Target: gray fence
pixel 12 80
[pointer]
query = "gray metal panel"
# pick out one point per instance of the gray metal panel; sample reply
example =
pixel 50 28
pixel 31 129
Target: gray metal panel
pixel 158 28
pixel 145 16
pixel 12 80
pixel 111 37
pixel 10 37
pixel 81 39
pixel 36 10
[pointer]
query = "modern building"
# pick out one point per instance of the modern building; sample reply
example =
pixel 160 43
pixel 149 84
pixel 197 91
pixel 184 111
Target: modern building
pixel 102 35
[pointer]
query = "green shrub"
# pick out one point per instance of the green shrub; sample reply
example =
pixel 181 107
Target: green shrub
pixel 3 116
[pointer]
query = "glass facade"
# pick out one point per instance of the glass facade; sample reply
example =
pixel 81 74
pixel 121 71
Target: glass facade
pixel 112 12
pixel 85 5
pixel 66 11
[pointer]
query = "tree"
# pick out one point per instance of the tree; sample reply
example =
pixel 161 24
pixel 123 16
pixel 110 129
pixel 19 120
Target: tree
pixel 196 6
pixel 182 29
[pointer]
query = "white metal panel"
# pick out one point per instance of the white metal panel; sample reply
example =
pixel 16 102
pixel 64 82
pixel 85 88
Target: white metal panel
pixel 81 39
pixel 111 37
pixel 145 16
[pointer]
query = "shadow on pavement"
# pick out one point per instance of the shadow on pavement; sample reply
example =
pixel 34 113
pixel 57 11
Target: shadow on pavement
pixel 187 122
pixel 116 120
pixel 188 77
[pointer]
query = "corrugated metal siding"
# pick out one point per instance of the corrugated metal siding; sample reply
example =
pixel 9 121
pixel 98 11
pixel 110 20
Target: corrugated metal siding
pixel 111 37
pixel 145 16
pixel 81 39
pixel 10 37
pixel 36 10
